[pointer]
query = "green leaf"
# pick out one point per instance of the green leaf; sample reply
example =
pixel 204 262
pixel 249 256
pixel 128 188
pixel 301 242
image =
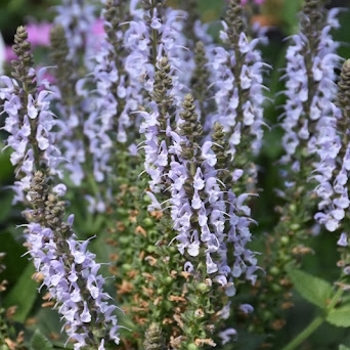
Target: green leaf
pixel 13 248
pixel 23 294
pixel 339 317
pixel 49 323
pixel 316 290
pixel 39 342
pixel 6 205
pixel 15 5
pixel 343 347
pixel 5 164
pixel 289 11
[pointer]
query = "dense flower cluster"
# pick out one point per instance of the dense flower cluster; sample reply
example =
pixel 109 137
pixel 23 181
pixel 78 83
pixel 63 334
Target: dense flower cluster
pixel 208 218
pixel 117 98
pixel 28 123
pixel 333 166
pixel 69 271
pixel 237 76
pixel 77 18
pixel 77 32
pixel 156 31
pixel 72 279
pixel 310 87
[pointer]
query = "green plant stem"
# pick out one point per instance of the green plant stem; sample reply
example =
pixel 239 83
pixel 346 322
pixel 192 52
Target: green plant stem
pixel 335 300
pixel 305 333
pixel 314 324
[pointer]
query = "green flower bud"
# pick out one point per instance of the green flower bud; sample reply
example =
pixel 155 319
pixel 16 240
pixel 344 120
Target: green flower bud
pixel 267 315
pixel 274 271
pixel 276 288
pixel 202 287
pixel 122 212
pixel 192 346
pixel 148 222
pixel 151 249
pixel 295 227
pixel 126 267
pixel 285 240
pixel 168 280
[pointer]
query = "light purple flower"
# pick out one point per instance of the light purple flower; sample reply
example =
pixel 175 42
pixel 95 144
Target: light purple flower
pixel 310 111
pixel 74 284
pixel 77 19
pixel 228 335
pixel 20 130
pixel 343 240
pixel 227 85
pixel 221 222
pixel 331 188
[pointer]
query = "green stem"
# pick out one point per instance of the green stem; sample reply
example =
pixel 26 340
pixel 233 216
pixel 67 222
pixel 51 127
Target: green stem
pixel 93 184
pixel 314 324
pixel 305 333
pixel 335 299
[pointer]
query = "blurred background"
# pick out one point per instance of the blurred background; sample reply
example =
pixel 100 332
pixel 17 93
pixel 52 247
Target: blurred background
pixel 280 19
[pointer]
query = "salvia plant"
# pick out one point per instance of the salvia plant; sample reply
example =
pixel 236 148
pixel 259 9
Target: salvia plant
pixel 137 182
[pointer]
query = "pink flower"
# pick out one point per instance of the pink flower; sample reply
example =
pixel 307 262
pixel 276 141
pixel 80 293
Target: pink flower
pixel 39 34
pixel 97 28
pixel 258 2
pixel 97 33
pixel 2 54
pixel 9 54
